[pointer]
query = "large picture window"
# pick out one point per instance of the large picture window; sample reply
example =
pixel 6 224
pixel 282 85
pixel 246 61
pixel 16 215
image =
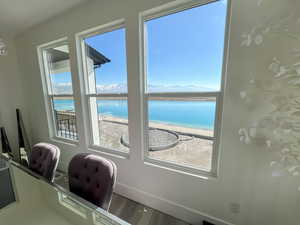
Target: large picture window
pixel 183 72
pixel 55 63
pixel 177 87
pixel 104 59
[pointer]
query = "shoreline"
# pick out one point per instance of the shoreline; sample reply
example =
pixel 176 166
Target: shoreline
pixel 161 125
pixel 181 129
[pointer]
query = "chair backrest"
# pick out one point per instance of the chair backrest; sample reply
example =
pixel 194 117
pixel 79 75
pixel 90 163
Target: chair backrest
pixel 43 160
pixel 93 178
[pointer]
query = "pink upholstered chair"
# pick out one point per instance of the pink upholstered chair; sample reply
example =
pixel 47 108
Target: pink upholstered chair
pixel 43 160
pixel 93 178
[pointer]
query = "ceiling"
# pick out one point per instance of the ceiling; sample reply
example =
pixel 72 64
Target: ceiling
pixel 19 15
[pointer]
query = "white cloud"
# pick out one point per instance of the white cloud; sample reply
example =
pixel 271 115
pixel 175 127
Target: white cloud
pixel 112 88
pixel 62 88
pixel 64 84
pixel 179 88
pixel 66 88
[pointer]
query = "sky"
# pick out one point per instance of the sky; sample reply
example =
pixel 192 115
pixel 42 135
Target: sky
pixel 184 52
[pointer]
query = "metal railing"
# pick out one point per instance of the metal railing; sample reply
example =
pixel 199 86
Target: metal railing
pixel 66 124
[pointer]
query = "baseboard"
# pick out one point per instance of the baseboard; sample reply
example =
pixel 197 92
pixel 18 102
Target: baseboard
pixel 182 212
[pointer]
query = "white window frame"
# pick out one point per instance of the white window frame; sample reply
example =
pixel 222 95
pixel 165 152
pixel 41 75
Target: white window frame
pixel 161 11
pixel 48 92
pixel 81 56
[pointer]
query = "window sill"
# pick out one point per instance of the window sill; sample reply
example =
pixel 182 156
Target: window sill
pixel 60 140
pixel 197 173
pixel 109 152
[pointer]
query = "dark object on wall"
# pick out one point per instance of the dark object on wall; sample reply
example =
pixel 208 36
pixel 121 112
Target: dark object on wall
pixel 207 223
pixel 24 145
pixel 5 143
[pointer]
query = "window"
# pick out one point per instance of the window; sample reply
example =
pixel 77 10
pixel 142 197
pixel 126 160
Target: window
pixel 55 62
pixel 104 59
pixel 183 64
pixel 182 90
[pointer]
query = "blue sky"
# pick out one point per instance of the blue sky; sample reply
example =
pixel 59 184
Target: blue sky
pixel 113 46
pixel 184 48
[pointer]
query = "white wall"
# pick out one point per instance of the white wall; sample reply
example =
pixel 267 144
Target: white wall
pixel 244 172
pixel 11 91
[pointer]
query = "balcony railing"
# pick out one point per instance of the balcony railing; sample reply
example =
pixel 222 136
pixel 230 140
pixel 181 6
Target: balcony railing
pixel 66 124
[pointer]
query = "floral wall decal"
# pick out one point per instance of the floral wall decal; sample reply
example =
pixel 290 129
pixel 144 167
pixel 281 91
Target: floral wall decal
pixel 3 49
pixel 259 2
pixel 278 129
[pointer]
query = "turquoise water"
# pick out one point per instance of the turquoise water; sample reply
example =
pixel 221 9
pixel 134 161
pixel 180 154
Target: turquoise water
pixel 184 113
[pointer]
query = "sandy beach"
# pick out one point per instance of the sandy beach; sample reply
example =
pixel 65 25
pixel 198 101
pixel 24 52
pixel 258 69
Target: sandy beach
pixel 190 150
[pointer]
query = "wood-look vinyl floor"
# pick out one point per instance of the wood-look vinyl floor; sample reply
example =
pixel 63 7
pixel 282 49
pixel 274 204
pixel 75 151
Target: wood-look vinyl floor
pixel 138 214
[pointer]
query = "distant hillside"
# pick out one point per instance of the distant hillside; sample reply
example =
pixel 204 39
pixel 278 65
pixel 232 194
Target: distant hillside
pixel 66 88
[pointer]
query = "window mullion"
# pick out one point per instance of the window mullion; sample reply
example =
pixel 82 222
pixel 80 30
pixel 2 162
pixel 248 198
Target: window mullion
pixel 106 95
pixel 54 129
pixel 184 94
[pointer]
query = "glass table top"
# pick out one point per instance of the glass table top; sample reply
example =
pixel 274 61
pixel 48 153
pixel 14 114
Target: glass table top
pixel 40 201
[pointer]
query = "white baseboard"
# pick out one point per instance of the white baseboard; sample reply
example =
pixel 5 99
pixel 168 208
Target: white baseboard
pixel 179 211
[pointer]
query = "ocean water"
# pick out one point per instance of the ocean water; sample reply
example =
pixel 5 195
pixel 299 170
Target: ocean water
pixel 191 114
